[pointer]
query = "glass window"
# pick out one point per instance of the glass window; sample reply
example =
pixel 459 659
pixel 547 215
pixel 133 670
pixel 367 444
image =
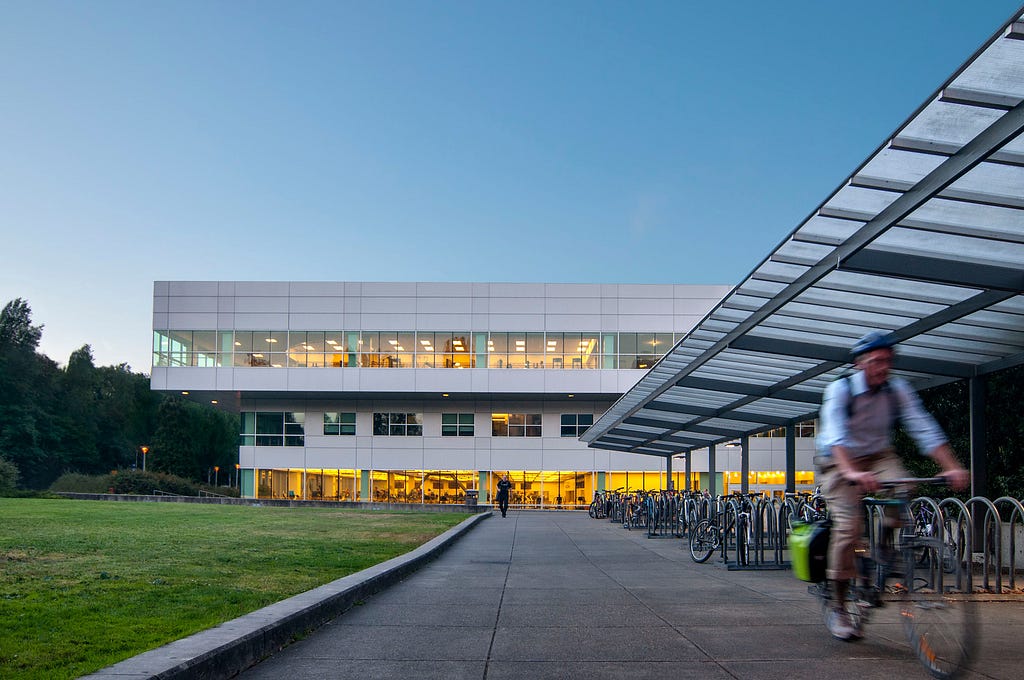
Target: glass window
pixel 204 349
pixel 425 350
pixel 294 429
pixel 575 424
pixel 336 423
pixel 398 424
pixel 457 425
pixel 269 429
pixel 589 350
pixel 497 350
pixel 248 429
pixel 515 424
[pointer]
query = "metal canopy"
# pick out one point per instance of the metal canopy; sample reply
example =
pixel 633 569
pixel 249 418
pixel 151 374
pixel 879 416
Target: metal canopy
pixel 925 239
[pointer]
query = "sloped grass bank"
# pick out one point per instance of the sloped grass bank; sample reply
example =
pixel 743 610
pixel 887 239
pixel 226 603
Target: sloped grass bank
pixel 86 584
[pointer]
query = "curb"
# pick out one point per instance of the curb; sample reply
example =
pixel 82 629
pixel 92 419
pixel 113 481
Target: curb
pixel 228 649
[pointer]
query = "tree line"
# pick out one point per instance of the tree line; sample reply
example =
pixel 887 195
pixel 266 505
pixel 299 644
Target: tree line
pixel 90 419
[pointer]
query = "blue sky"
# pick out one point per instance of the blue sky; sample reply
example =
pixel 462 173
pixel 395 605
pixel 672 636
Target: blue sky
pixel 644 142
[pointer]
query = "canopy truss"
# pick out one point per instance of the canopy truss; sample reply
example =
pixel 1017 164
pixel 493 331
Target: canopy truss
pixel 925 239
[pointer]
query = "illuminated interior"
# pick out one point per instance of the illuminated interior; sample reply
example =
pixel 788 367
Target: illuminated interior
pixel 530 488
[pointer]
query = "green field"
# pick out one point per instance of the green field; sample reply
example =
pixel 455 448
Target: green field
pixel 84 584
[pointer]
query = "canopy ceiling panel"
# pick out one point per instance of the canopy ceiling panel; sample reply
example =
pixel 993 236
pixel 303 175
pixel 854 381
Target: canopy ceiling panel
pixel 925 239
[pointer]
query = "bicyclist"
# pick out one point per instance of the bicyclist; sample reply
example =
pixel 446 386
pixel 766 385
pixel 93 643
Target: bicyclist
pixel 858 414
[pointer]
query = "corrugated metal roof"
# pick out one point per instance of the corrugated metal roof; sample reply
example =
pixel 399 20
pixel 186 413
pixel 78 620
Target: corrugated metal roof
pixel 925 239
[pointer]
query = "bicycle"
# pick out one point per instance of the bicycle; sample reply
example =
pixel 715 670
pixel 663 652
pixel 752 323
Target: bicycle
pixel 939 623
pixel 705 539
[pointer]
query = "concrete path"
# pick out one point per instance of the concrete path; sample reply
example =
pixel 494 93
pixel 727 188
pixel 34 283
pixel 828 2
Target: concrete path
pixel 559 595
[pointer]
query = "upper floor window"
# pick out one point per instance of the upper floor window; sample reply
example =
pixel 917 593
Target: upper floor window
pixel 515 424
pixel 575 424
pixel 339 423
pixel 409 349
pixel 457 425
pixel 398 424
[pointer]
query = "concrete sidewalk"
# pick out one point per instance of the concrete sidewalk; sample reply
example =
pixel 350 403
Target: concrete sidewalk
pixel 559 595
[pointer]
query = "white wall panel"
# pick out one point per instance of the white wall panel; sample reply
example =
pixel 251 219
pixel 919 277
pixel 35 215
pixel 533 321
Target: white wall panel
pixel 261 305
pixel 261 322
pixel 192 288
pixel 315 322
pixel 316 288
pixel 191 303
pixel 196 321
pixel 262 288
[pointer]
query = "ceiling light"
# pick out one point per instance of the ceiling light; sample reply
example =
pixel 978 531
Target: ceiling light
pixel 213 401
pixel 332 342
pixel 184 392
pixel 392 342
pixel 271 339
pixel 258 356
pixel 424 342
pixel 237 343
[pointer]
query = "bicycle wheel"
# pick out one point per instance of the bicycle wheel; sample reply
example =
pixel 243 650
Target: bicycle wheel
pixel 703 541
pixel 742 543
pixel 939 625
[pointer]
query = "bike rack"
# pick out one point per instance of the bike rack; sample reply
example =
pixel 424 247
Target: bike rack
pixel 1017 511
pixel 965 539
pixel 990 537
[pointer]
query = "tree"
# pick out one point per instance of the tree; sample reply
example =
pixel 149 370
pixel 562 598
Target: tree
pixel 16 329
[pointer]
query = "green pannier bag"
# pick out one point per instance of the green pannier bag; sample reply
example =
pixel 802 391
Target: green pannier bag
pixel 808 549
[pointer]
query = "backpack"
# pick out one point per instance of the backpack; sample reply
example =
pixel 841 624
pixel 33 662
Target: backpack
pixel 808 549
pixel 894 401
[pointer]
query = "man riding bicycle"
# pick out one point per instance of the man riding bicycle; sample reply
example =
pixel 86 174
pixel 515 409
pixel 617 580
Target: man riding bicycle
pixel 858 414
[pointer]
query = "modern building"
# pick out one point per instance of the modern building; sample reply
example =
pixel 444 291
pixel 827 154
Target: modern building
pixel 415 392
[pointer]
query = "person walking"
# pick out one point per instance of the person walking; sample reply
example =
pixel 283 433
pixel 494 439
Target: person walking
pixel 503 488
pixel 855 450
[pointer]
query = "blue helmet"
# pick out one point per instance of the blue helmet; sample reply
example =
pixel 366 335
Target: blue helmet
pixel 871 341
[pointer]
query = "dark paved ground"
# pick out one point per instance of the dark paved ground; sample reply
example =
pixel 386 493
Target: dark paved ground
pixel 559 595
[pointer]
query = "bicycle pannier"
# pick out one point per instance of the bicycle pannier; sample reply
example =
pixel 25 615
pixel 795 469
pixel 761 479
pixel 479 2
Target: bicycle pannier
pixel 808 549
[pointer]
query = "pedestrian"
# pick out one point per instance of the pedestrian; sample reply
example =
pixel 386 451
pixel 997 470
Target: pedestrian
pixel 503 486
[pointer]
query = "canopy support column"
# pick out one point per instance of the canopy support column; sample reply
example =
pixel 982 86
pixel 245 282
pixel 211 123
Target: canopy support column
pixel 712 486
pixel 668 473
pixel 745 464
pixel 791 458
pixel 689 471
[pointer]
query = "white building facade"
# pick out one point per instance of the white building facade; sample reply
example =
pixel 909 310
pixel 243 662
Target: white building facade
pixel 416 392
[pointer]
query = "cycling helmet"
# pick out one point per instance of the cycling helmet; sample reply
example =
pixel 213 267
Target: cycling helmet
pixel 871 341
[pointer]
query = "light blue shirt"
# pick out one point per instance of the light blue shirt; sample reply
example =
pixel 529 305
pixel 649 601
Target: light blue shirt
pixel 869 429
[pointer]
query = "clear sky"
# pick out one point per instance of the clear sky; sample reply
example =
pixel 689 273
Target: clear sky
pixel 645 142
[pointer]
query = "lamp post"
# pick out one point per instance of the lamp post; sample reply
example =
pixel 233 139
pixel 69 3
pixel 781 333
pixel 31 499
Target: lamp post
pixel 238 475
pixel 216 475
pixel 145 450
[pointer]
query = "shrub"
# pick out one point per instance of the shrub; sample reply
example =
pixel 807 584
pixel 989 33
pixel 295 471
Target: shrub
pixel 134 482
pixel 8 475
pixel 77 483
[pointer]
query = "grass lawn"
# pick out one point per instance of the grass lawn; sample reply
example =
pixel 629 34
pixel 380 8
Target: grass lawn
pixel 84 584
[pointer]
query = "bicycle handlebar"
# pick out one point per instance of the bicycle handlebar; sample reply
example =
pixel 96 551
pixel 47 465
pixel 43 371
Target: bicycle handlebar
pixel 888 484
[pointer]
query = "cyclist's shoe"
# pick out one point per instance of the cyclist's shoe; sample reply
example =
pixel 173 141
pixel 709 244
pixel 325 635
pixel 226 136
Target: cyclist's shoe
pixel 841 626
